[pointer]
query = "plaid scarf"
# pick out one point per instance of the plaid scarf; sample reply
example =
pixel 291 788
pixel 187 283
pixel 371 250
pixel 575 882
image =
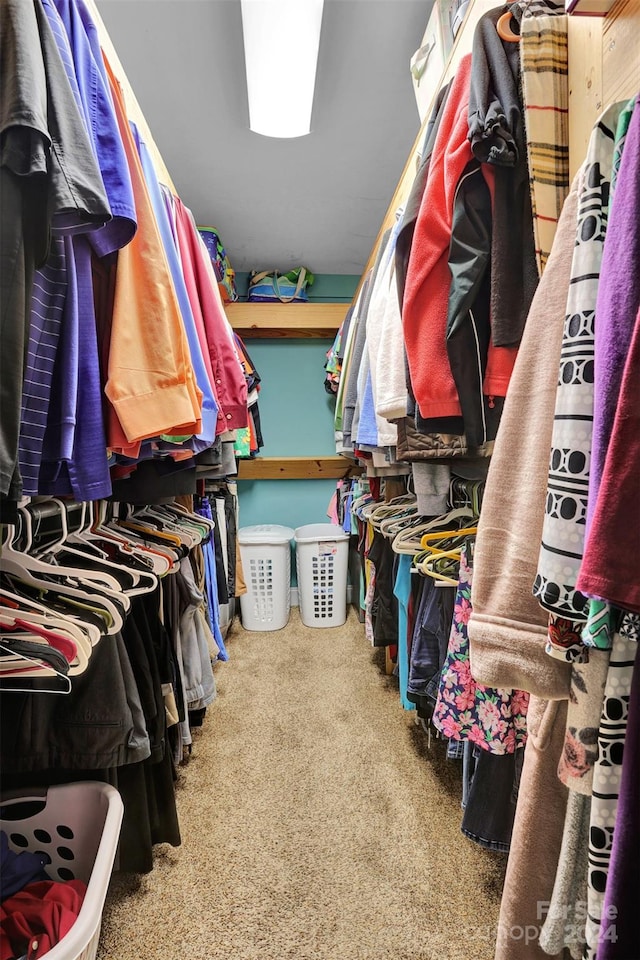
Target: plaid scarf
pixel 545 89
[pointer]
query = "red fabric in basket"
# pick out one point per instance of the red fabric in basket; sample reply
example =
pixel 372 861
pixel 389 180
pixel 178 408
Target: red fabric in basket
pixel 43 911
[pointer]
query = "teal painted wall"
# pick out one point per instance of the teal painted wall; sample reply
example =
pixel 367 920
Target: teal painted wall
pixel 296 414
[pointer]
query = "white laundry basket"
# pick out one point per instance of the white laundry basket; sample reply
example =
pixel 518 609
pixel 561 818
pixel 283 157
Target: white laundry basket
pixel 266 563
pixel 322 559
pixel 78 826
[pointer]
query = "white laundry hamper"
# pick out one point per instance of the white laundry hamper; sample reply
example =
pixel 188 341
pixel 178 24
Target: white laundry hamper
pixel 78 826
pixel 322 560
pixel 266 562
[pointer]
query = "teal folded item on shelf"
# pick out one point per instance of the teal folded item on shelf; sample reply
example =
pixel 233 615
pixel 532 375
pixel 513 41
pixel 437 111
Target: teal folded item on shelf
pixel 274 287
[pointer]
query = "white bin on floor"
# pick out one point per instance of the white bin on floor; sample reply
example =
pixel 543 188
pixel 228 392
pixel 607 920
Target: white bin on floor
pixel 266 562
pixel 322 559
pixel 77 826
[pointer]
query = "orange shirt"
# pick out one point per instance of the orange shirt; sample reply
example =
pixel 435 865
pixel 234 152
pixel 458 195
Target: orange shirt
pixel 150 384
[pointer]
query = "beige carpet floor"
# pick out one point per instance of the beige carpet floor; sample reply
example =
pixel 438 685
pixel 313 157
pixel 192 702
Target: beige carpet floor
pixel 316 823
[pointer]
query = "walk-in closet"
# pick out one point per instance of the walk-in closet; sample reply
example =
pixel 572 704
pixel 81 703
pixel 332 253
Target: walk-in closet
pixel 319 496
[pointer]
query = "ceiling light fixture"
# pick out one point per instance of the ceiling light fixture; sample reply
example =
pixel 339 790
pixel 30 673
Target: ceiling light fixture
pixel 281 40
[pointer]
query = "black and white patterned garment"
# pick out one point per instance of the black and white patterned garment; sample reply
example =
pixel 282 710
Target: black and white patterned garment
pixel 564 525
pixel 608 771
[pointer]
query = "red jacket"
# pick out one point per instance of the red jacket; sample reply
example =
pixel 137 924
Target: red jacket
pixel 424 314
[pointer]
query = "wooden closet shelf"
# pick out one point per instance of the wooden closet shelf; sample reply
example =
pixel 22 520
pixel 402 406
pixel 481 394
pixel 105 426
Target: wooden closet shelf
pixel 296 468
pixel 279 320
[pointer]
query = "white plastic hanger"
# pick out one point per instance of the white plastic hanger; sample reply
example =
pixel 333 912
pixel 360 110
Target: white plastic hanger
pixel 12 564
pixel 13 560
pixel 409 540
pixel 76 666
pixel 196 518
pixel 97 531
pixel 189 537
pixel 10 663
pixel 51 618
pixel 70 629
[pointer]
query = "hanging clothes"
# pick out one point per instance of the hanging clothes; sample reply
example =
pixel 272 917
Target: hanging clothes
pixel 402 592
pixel 545 92
pixel 537 831
pixel 92 310
pixel 508 629
pixel 211 580
pixel 618 300
pixel 497 136
pixel 138 655
pixel 40 194
pixel 427 285
pixel 426 297
pixel 159 395
pixel 606 781
pixel 618 928
pixel 563 532
pixel 492 718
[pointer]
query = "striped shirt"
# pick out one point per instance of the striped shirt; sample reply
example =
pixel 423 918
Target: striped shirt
pixel 48 305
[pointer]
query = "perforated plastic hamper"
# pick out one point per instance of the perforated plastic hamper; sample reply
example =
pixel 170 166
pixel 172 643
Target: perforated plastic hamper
pixel 78 826
pixel 266 561
pixel 322 560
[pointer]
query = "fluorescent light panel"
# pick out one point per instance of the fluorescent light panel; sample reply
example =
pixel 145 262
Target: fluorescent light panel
pixel 281 40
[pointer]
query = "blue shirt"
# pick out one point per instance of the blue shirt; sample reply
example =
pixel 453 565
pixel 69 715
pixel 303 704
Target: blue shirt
pixel 402 590
pixel 102 125
pixel 368 426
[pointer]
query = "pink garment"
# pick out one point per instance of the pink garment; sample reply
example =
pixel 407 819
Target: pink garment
pixel 184 249
pixel 491 717
pixel 332 509
pixel 218 346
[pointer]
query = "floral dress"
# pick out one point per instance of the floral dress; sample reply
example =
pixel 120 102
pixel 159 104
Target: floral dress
pixel 493 718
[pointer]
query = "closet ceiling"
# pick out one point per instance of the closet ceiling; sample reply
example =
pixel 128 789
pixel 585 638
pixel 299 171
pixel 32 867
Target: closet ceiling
pixel 316 200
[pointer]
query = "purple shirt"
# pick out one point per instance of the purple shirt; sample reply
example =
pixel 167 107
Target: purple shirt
pixel 53 328
pixel 86 474
pixel 48 309
pixel 617 304
pixel 75 460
